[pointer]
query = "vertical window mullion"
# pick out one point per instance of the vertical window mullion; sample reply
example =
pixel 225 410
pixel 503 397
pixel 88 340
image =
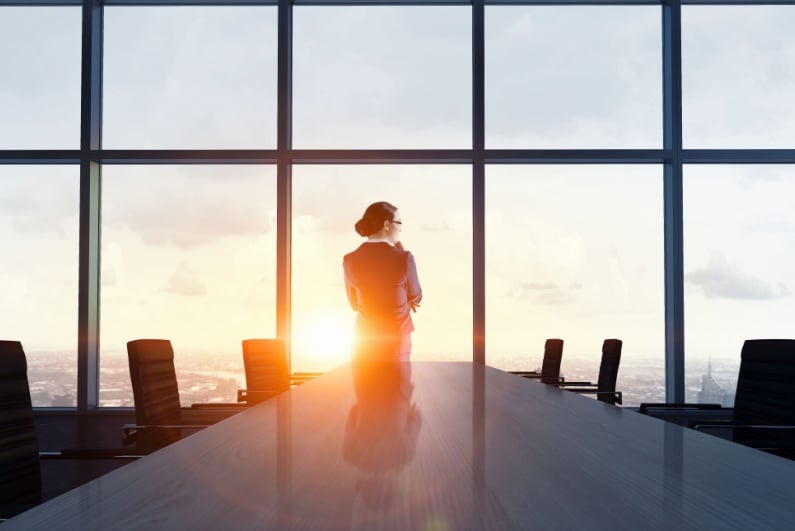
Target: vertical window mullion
pixel 90 182
pixel 672 202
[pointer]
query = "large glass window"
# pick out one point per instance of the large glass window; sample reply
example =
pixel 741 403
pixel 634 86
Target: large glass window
pixel 738 260
pixel 737 80
pixel 573 77
pixel 39 275
pixel 576 252
pixel 188 254
pixel 436 208
pixel 40 81
pixel 188 251
pixel 189 77
pixel 382 77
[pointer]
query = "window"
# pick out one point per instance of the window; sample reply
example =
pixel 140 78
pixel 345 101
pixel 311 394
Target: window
pixel 576 253
pixel 40 85
pixel 738 263
pixel 573 77
pixel 437 231
pixel 39 277
pixel 736 77
pixel 382 77
pixel 188 254
pixel 189 77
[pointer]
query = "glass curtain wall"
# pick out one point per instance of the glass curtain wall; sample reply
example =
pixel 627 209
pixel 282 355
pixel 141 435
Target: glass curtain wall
pixel 193 172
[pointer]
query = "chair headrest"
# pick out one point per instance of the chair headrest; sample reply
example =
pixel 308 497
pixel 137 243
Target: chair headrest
pixel 149 350
pixel 12 359
pixel 771 350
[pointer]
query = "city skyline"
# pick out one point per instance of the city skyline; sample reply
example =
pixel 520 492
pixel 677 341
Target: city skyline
pixel 216 377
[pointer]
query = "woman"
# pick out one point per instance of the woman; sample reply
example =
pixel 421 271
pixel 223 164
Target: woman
pixel 382 286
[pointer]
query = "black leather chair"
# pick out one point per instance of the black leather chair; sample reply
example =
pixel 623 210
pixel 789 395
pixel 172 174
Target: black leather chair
pixel 20 467
pixel 20 473
pixel 605 388
pixel 550 366
pixel 159 419
pixel 763 416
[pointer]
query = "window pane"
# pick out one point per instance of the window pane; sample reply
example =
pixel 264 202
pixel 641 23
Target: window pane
pixel 737 81
pixel 576 252
pixel 382 77
pixel 189 77
pixel 39 275
pixel 188 254
pixel 439 238
pixel 40 81
pixel 738 264
pixel 573 77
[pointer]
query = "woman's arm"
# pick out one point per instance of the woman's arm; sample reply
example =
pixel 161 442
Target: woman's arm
pixel 350 290
pixel 413 288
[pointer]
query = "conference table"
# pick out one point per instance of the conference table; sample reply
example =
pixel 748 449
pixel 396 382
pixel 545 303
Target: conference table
pixel 434 446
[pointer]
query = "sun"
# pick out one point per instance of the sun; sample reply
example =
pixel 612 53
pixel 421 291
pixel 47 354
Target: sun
pixel 325 337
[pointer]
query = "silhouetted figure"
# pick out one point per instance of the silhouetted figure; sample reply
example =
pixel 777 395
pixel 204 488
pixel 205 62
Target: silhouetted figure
pixel 382 286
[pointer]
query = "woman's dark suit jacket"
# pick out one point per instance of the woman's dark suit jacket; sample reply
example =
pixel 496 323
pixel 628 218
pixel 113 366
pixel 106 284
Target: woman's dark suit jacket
pixel 380 280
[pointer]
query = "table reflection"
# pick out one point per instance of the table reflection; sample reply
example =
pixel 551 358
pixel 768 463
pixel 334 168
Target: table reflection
pixel 381 431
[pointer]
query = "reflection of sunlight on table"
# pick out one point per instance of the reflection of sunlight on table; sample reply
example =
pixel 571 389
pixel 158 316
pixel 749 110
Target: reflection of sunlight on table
pixel 322 338
pixel 381 435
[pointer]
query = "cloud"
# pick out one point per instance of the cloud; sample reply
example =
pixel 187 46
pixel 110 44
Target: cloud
pixel 436 227
pixel 39 199
pixel 548 293
pixel 382 95
pixel 721 280
pixel 186 207
pixel 184 282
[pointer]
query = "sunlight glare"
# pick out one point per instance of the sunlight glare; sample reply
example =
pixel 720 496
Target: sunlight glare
pixel 325 337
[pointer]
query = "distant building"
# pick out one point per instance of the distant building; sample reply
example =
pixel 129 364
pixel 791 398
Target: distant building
pixel 711 391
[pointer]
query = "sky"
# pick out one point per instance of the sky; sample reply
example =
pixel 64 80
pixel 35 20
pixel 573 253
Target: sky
pixel 188 252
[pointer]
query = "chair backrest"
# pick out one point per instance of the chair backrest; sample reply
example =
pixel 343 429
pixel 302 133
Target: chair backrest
pixel 265 362
pixel 608 369
pixel 20 474
pixel 766 382
pixel 155 391
pixel 550 367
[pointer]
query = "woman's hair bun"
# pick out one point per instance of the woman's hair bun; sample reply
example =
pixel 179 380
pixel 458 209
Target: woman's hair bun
pixel 363 227
pixel 374 216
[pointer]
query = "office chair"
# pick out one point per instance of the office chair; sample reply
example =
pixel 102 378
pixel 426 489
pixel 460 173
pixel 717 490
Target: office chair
pixel 20 468
pixel 550 366
pixel 763 416
pixel 159 419
pixel 267 373
pixel 605 388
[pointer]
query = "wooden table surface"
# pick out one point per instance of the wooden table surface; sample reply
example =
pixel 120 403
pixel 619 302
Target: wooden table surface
pixel 435 446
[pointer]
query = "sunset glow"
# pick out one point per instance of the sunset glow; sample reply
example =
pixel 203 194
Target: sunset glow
pixel 325 338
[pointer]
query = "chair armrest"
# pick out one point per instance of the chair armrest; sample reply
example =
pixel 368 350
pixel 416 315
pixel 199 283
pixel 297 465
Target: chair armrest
pixel 255 397
pixel 91 453
pixel 525 373
pixel 218 405
pixel 532 375
pixel 765 437
pixel 298 378
pixel 617 394
pixel 645 406
pixel 128 431
pixel 722 425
